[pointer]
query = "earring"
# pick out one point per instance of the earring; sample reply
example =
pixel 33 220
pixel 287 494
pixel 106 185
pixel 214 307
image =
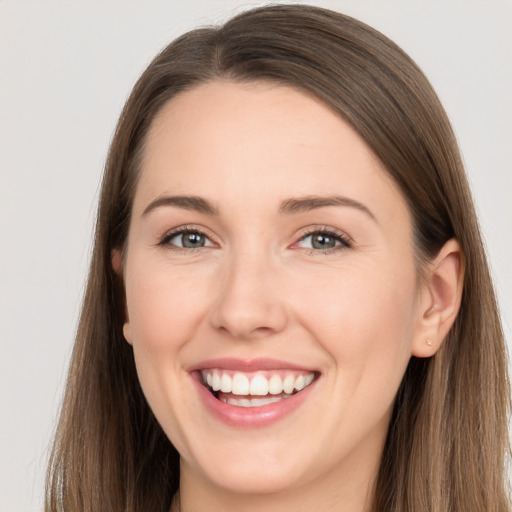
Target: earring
pixel 429 342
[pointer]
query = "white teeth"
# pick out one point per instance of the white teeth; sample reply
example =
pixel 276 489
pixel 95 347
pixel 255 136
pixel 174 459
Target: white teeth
pixel 215 382
pixel 253 402
pixel 299 383
pixel 256 385
pixel 240 384
pixel 288 384
pixel 225 383
pixel 259 386
pixel 275 385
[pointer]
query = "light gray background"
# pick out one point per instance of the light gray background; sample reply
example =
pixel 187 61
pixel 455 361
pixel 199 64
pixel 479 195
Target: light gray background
pixel 66 69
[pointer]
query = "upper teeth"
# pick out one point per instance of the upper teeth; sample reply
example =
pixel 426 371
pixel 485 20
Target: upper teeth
pixel 239 383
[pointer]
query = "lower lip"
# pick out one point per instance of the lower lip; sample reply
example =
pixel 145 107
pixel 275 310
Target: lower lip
pixel 250 417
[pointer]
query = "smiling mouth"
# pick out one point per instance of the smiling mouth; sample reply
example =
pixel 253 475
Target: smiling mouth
pixel 255 389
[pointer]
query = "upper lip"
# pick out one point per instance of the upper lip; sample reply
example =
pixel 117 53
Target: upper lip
pixel 248 365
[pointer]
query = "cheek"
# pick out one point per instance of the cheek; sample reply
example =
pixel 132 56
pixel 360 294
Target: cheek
pixel 364 317
pixel 164 307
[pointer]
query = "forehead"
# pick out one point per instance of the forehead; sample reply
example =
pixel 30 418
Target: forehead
pixel 257 143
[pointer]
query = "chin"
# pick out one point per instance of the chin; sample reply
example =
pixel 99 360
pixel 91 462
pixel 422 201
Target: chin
pixel 242 477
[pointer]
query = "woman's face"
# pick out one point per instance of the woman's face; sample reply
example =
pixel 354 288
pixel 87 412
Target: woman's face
pixel 268 250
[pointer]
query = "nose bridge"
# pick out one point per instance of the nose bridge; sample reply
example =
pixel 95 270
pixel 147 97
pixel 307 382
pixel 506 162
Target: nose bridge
pixel 249 303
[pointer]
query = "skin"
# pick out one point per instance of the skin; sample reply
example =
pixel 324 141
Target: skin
pixel 259 288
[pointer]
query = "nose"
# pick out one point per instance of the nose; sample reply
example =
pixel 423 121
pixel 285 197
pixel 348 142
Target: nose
pixel 250 304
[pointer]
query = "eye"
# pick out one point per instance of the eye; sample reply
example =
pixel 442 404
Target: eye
pixel 186 239
pixel 324 240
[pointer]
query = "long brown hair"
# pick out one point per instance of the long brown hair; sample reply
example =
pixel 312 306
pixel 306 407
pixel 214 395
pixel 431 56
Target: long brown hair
pixel 448 435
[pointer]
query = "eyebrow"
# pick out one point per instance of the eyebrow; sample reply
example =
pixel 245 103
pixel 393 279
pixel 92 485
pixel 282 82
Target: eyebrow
pixel 289 206
pixel 194 203
pixel 304 204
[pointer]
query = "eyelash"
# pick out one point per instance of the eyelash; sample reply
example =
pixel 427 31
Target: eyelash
pixel 164 242
pixel 345 242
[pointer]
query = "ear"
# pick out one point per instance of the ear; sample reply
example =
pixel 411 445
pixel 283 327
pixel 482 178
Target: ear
pixel 127 332
pixel 117 265
pixel 440 298
pixel 116 259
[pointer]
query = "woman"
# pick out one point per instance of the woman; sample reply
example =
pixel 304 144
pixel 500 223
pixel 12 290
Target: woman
pixel 288 304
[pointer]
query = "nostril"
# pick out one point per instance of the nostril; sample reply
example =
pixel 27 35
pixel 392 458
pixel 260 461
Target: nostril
pixel 245 311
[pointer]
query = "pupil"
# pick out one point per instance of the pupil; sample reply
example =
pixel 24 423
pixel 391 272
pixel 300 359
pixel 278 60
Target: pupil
pixel 323 242
pixel 193 240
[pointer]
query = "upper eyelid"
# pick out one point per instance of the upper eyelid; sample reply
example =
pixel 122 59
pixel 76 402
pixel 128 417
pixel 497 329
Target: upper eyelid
pixel 325 229
pixel 329 233
pixel 164 241
pixel 186 229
